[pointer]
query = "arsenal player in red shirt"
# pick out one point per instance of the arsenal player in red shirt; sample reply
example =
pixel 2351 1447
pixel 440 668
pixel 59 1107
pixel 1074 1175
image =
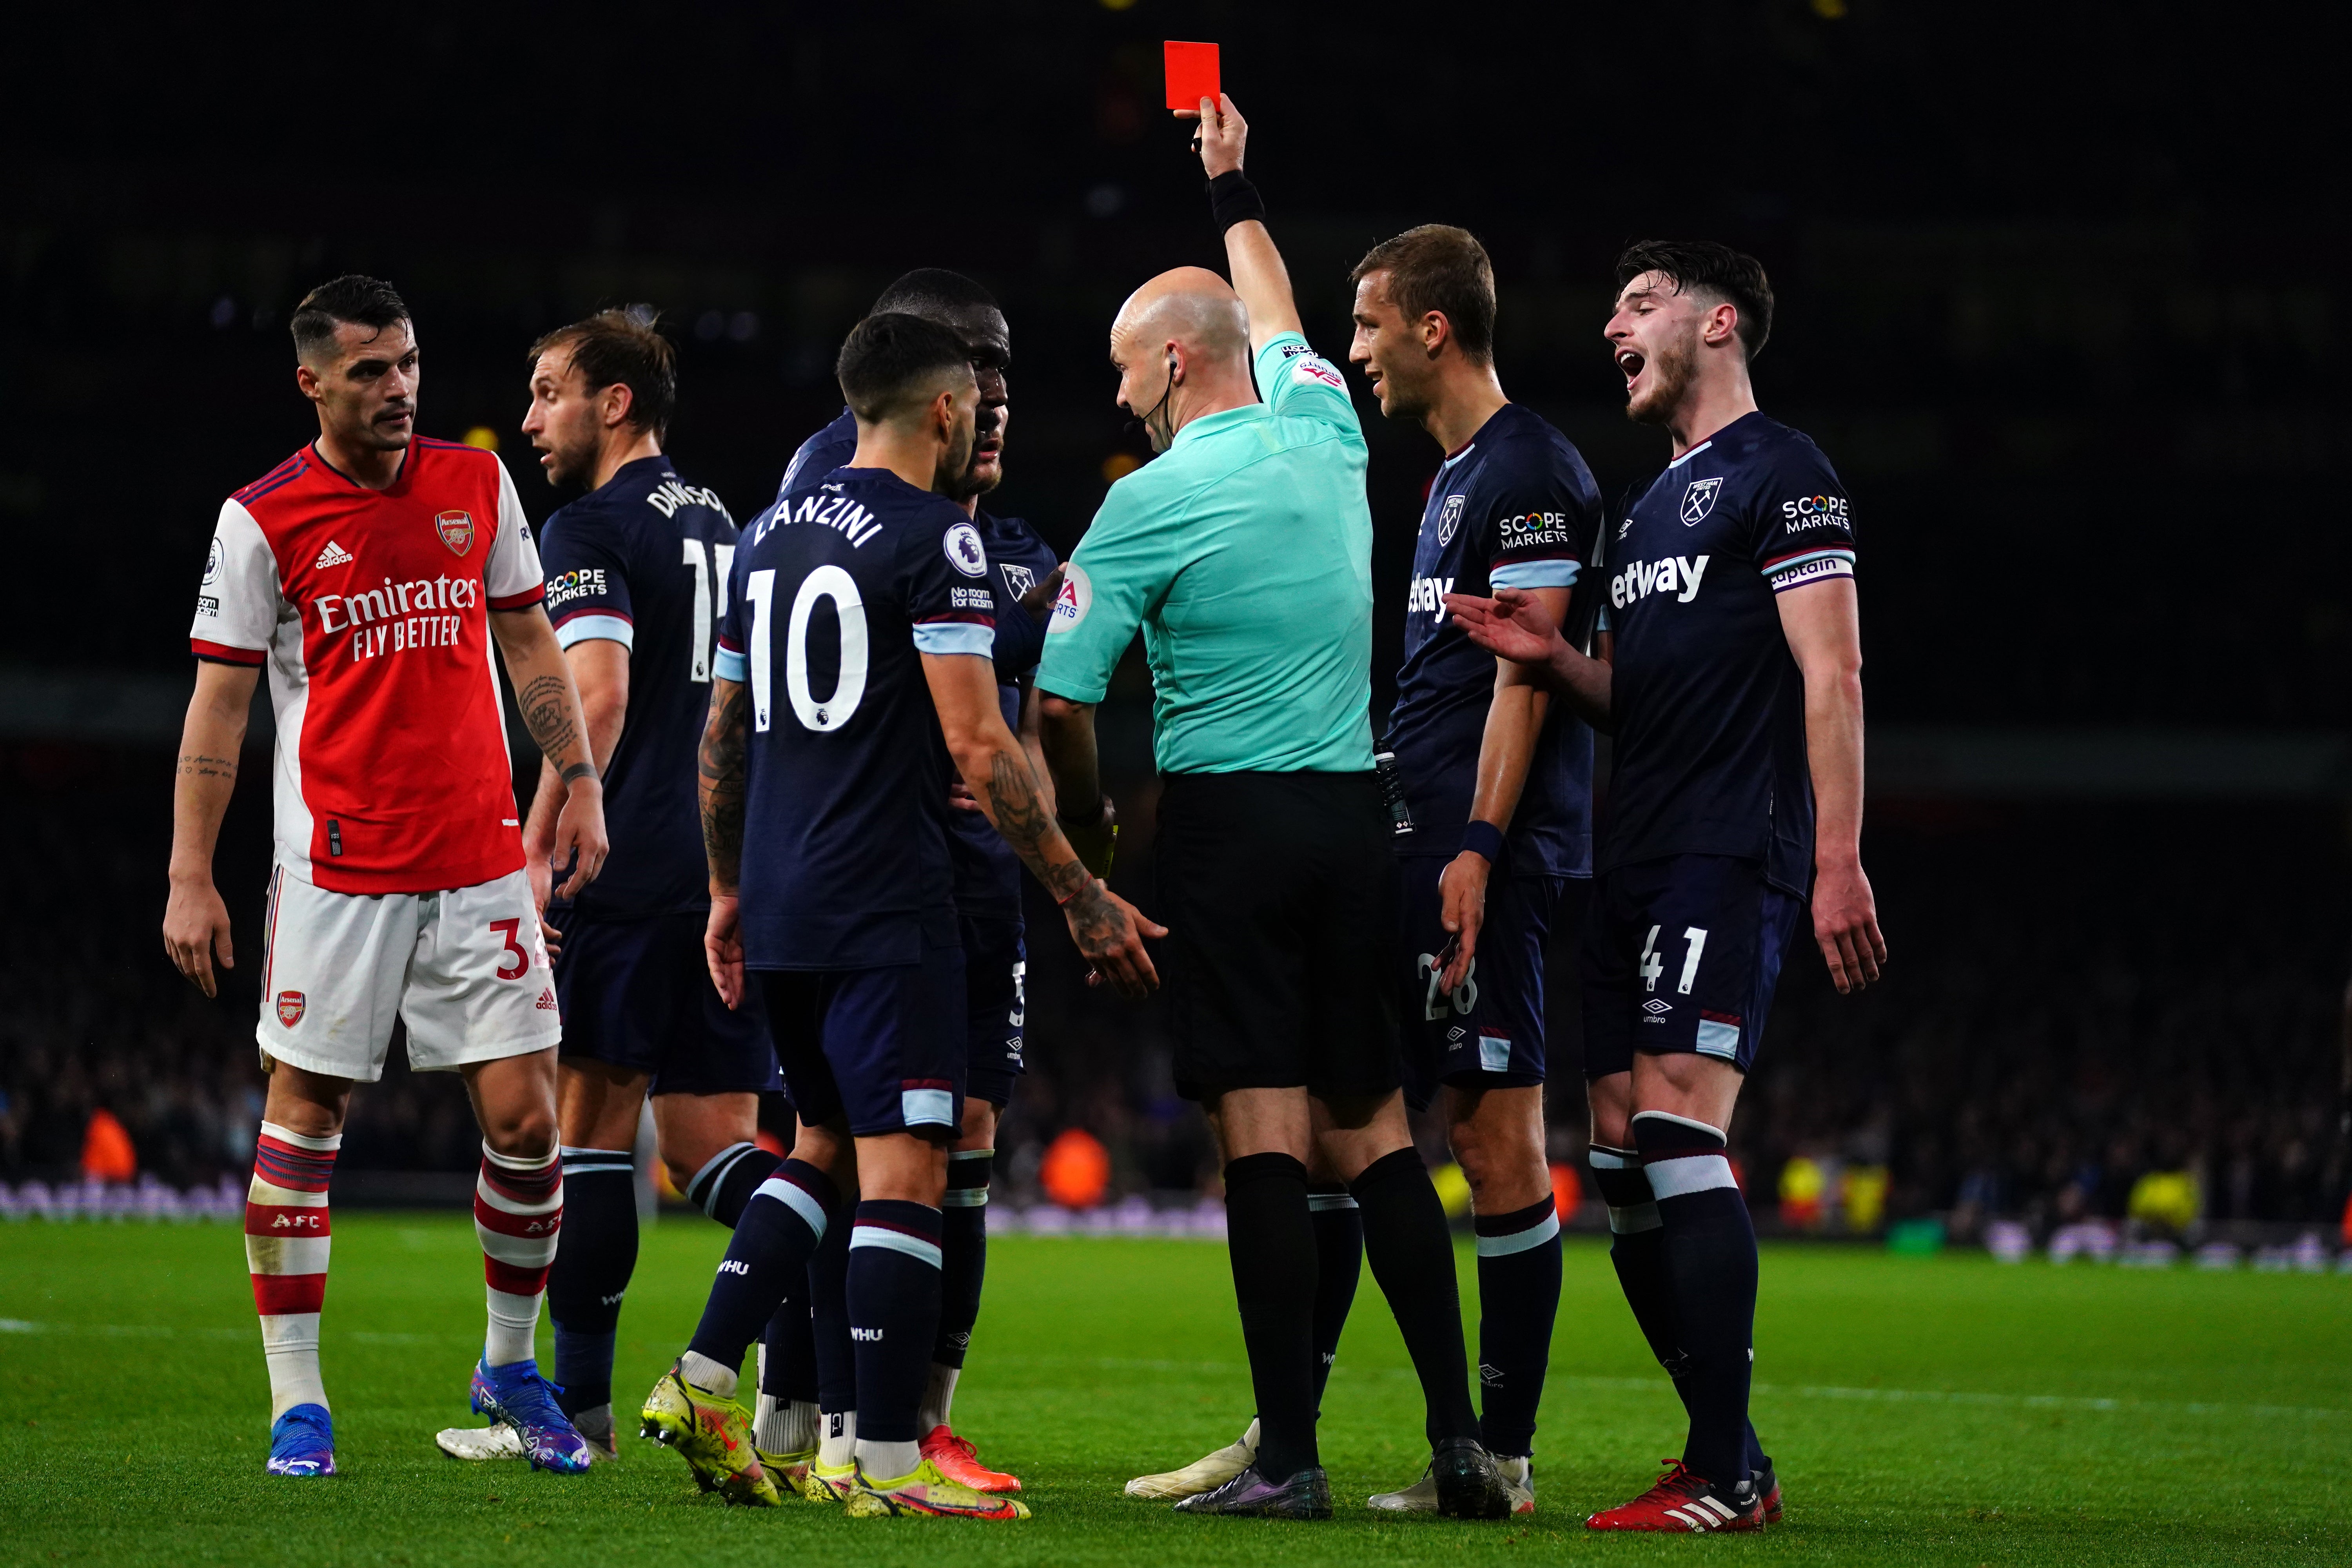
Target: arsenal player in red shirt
pixel 369 573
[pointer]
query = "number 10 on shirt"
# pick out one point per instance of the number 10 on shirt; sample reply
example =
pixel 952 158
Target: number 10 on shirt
pixel 826 581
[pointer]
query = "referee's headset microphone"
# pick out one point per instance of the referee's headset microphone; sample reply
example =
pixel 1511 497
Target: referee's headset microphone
pixel 1144 423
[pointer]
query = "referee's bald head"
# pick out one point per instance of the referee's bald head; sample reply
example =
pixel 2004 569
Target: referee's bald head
pixel 1190 306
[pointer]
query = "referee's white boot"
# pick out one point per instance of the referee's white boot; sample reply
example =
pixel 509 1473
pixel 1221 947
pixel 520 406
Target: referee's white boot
pixel 1204 1474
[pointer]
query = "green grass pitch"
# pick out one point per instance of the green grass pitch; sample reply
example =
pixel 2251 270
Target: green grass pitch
pixel 1921 1411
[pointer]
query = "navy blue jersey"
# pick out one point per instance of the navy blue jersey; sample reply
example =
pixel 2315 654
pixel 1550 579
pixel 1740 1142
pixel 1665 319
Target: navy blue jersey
pixel 987 872
pixel 829 448
pixel 1707 701
pixel 838 588
pixel 1515 508
pixel 643 560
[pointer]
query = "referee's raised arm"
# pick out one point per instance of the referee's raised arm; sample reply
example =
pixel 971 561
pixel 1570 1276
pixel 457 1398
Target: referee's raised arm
pixel 1259 276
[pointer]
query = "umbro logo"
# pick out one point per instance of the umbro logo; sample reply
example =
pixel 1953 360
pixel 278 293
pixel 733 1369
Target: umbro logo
pixel 1657 1005
pixel 334 555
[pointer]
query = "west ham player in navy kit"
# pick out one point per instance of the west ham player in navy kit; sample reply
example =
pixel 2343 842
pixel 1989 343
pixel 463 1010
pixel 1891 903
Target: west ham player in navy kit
pixel 1499 786
pixel 637 577
pixel 1735 698
pixel 859 627
pixel 1021 580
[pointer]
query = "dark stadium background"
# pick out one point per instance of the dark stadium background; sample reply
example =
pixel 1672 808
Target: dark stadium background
pixel 2063 300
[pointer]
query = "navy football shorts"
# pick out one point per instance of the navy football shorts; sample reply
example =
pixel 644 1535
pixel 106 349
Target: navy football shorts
pixel 1489 1032
pixel 882 1049
pixel 638 994
pixel 1682 954
pixel 995 976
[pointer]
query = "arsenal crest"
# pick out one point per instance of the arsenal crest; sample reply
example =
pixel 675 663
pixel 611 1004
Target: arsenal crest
pixel 290 1007
pixel 1698 500
pixel 456 530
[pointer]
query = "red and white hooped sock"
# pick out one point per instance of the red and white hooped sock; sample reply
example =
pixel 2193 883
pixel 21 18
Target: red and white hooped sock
pixel 286 1244
pixel 518 1214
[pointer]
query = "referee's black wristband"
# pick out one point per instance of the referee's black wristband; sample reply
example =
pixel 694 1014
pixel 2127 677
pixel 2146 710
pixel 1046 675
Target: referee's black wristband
pixel 1233 199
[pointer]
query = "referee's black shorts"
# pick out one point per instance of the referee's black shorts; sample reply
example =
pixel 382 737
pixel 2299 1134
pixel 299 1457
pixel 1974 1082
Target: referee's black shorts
pixel 1280 894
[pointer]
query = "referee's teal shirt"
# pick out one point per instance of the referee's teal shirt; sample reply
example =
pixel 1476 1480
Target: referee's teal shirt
pixel 1245 552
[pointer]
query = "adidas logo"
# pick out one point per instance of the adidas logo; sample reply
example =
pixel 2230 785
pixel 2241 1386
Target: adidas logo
pixel 547 1001
pixel 334 555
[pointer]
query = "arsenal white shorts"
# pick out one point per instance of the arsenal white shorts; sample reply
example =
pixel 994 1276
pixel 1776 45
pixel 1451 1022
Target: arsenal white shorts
pixel 467 968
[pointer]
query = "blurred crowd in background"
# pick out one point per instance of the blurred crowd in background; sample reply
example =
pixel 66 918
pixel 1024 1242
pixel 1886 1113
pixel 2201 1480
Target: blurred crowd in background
pixel 2093 1014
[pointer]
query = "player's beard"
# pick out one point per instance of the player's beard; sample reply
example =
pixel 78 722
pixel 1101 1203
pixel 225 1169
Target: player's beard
pixel 1669 372
pixel 952 478
pixel 574 465
pixel 971 482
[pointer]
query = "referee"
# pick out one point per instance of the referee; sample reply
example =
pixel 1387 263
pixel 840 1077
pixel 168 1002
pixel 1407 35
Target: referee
pixel 1245 554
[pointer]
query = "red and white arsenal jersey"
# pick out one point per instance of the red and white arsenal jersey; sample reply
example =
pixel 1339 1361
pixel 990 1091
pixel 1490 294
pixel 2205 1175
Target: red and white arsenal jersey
pixel 369 608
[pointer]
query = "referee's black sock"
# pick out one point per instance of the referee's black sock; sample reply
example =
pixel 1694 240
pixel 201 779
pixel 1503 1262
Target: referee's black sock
pixel 1710 1258
pixel 1338 1263
pixel 1637 1249
pixel 1411 1256
pixel 595 1253
pixel 1518 1299
pixel 1273 1245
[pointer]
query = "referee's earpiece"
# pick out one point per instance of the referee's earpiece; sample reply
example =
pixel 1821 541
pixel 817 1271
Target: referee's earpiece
pixel 1171 367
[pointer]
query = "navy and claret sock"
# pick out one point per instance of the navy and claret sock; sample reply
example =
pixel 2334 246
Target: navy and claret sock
pixel 1710 1266
pixel 595 1254
pixel 1637 1249
pixel 766 1261
pixel 1412 1255
pixel 1518 1298
pixel 1339 1225
pixel 728 1179
pixel 893 1314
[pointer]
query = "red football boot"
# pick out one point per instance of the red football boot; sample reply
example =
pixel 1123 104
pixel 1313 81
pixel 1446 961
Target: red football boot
pixel 1683 1503
pixel 1769 1485
pixel 957 1461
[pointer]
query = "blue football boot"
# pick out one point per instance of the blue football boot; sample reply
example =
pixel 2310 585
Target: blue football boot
pixel 516 1394
pixel 302 1442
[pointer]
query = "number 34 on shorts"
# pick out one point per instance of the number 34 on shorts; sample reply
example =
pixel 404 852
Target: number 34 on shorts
pixel 466 969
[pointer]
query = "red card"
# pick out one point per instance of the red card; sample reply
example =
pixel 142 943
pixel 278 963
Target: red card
pixel 1191 74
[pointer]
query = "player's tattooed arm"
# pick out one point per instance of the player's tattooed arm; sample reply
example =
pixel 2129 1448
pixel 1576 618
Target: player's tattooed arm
pixel 720 765
pixel 550 703
pixel 546 705
pixel 1109 930
pixel 195 921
